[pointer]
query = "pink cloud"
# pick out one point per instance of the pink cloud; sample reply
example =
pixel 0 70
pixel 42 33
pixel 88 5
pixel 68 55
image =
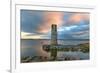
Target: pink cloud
pixel 57 18
pixel 49 19
pixel 77 17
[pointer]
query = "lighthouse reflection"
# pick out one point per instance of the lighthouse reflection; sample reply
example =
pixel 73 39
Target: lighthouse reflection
pixel 32 51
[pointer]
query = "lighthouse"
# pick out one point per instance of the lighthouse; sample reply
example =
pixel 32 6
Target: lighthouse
pixel 55 46
pixel 53 41
pixel 54 34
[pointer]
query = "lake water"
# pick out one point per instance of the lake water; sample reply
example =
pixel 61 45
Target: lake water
pixel 30 47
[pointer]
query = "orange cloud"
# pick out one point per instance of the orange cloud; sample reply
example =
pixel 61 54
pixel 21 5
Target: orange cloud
pixel 77 17
pixel 57 18
pixel 49 19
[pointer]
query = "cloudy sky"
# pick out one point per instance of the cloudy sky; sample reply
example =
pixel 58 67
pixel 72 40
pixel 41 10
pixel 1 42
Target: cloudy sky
pixel 70 25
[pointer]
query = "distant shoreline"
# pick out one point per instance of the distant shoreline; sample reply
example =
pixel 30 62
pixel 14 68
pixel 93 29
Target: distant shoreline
pixel 59 39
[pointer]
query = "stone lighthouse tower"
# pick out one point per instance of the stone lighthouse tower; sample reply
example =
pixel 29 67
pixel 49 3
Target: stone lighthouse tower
pixel 54 34
pixel 53 41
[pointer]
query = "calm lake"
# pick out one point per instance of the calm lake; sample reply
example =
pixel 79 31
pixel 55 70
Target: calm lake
pixel 31 47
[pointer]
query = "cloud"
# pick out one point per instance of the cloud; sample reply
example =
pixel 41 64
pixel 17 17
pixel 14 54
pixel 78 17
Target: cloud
pixel 84 35
pixel 81 33
pixel 25 35
pixel 74 35
pixel 74 32
pixel 49 19
pixel 65 35
pixel 37 24
pixel 30 20
pixel 75 18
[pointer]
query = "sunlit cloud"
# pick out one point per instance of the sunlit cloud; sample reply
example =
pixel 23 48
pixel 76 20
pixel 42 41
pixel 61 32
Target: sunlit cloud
pixel 37 24
pixel 77 17
pixel 68 28
pixel 25 35
pixel 49 19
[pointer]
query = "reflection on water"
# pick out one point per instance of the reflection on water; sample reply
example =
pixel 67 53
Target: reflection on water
pixel 78 55
pixel 33 48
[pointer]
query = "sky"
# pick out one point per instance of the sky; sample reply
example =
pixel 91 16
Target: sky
pixel 36 24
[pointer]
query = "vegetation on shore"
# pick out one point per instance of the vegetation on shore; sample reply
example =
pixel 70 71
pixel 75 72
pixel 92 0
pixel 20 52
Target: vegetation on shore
pixel 84 47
